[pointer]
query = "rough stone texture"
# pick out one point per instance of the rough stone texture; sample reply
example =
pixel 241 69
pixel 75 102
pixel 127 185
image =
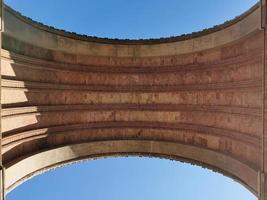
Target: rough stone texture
pixel 197 98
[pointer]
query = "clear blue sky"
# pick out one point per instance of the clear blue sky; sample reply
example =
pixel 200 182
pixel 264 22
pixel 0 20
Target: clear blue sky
pixel 132 18
pixel 131 178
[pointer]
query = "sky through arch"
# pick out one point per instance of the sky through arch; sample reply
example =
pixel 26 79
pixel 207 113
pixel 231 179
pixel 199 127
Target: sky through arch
pixel 131 178
pixel 132 19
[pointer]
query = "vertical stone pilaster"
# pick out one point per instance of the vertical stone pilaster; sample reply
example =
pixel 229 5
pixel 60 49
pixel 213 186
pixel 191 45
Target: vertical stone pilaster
pixel 2 176
pixel 262 182
pixel 263 13
pixel 262 186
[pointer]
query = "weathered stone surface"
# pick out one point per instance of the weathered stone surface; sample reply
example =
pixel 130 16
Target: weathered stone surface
pixel 197 98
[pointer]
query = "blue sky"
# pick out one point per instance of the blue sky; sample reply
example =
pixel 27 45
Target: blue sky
pixel 132 18
pixel 131 178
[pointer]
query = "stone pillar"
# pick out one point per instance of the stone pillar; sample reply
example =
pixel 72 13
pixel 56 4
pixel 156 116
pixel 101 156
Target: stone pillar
pixel 262 186
pixel 262 178
pixel 263 13
pixel 2 176
pixel 262 189
pixel 2 187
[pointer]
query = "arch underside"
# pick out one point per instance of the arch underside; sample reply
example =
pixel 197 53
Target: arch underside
pixel 197 99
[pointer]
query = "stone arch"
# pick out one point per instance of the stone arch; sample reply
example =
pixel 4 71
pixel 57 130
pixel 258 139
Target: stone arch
pixel 199 97
pixel 44 161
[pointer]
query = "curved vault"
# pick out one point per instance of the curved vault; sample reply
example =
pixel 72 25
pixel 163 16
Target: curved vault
pixel 198 98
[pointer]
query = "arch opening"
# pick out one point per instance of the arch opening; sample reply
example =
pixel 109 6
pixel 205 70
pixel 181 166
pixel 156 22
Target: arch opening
pixel 135 172
pixel 26 168
pixel 137 20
